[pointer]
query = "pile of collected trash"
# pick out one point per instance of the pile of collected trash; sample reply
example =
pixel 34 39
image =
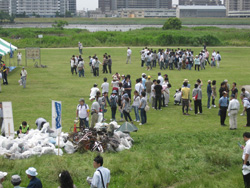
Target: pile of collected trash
pixel 104 137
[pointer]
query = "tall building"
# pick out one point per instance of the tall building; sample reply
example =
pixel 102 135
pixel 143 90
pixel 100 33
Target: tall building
pixel 199 2
pixel 238 8
pixel 4 6
pixel 107 5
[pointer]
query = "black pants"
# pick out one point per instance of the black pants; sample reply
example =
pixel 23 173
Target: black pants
pixel 208 60
pixel 105 70
pixel 248 117
pixel 127 115
pixel 73 69
pixel 113 112
pixel 157 98
pixel 142 63
pixel 223 115
pixel 5 80
pixel 110 69
pixel 185 103
pixel 198 67
pixel 96 71
pixel 163 101
pixel 213 101
pixel 246 179
pixel 197 104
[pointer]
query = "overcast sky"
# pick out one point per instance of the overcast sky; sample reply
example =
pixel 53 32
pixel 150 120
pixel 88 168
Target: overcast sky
pixel 93 4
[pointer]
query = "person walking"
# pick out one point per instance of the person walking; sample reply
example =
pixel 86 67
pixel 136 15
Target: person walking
pixel 135 105
pixel 82 114
pixel 96 67
pixel 218 59
pixel 80 66
pixel 223 108
pixel 126 108
pixel 94 111
pixel 158 93
pixel 197 63
pixel 197 97
pixel 101 178
pixel 142 106
pixel 34 181
pixel 185 95
pixel 246 105
pixel 209 93
pixel 129 53
pixel 72 65
pixel 105 64
pixel 214 93
pixel 113 104
pixel 148 85
pixel 110 64
pixel 19 58
pixel 23 77
pixel 233 109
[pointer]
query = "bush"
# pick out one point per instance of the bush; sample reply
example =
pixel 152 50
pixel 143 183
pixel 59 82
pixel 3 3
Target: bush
pixel 172 23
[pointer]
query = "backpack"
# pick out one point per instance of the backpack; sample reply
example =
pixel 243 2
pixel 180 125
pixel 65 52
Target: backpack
pixel 113 101
pixel 219 58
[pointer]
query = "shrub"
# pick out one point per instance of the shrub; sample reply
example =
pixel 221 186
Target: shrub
pixel 172 23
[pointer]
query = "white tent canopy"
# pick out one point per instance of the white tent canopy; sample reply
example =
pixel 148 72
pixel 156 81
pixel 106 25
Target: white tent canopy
pixel 5 47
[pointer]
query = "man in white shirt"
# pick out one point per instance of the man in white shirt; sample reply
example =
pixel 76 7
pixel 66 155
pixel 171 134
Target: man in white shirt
pixel 138 86
pixel 233 109
pixel 218 59
pixel 246 159
pixel 246 105
pixel 214 53
pixel 94 90
pixel 160 78
pixel 19 58
pixel 247 95
pixel 129 52
pixel 24 77
pixel 82 113
pixel 101 178
pixel 105 88
pixel 153 93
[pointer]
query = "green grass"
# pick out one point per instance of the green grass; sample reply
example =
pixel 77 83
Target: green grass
pixel 138 21
pixel 171 150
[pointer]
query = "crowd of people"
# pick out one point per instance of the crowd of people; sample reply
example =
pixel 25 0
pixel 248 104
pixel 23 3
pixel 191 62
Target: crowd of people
pixel 101 177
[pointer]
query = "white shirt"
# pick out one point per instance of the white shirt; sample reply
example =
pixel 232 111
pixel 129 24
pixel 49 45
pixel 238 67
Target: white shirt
pixel 214 54
pixel 137 101
pixel 93 62
pixel 115 83
pixel 105 87
pixel 82 111
pixel 72 63
pixel 177 96
pixel 129 52
pixel 233 105
pixel 161 79
pixel 24 73
pixel 139 87
pixel 93 91
pixel 246 103
pixel 152 90
pixel 19 56
pixel 217 57
pixel 246 150
pixel 97 180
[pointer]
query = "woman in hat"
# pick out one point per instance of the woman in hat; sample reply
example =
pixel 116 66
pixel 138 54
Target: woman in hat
pixel 2 178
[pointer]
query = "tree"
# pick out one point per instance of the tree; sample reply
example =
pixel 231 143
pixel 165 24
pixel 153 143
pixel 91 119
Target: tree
pixel 60 24
pixel 172 23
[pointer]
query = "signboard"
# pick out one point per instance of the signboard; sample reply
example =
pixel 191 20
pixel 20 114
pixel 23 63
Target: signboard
pixel 8 119
pixel 57 116
pixel 32 53
pixel 40 36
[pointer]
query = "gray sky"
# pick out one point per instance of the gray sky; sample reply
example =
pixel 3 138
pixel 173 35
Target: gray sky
pixel 90 4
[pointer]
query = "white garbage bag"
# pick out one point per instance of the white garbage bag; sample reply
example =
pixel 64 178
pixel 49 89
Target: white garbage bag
pixel 100 117
pixel 69 147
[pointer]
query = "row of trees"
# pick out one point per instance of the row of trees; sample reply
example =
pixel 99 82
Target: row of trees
pixel 5 17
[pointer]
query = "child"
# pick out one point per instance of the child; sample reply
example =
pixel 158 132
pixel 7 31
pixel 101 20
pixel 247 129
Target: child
pixel 113 104
pixel 212 61
pixel 177 97
pixel 142 106
pixel 136 105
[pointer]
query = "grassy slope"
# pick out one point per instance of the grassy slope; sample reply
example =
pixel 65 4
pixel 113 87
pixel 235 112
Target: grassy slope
pixel 171 149
pixel 139 21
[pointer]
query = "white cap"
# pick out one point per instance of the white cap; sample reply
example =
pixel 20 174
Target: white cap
pixel 92 97
pixel 3 174
pixel 31 171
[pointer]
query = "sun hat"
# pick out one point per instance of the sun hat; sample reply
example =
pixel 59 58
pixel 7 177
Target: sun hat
pixel 186 80
pixel 225 80
pixel 115 78
pixel 209 81
pixel 114 91
pixel 92 97
pixel 23 67
pixel 31 171
pixel 16 179
pixel 143 74
pixel 125 95
pixel 224 92
pixel 3 174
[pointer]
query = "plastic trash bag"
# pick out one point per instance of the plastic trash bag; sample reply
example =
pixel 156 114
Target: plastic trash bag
pixel 100 117
pixel 69 147
pixel 60 152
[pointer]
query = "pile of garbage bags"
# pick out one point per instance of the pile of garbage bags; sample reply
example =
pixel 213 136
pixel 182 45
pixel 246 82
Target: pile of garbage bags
pixel 103 137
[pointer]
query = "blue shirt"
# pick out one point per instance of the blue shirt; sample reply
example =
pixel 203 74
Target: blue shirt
pixel 223 101
pixel 209 89
pixel 35 183
pixel 143 83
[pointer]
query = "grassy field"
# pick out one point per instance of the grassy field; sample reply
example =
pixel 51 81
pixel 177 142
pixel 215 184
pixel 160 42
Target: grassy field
pixel 171 150
pixel 138 21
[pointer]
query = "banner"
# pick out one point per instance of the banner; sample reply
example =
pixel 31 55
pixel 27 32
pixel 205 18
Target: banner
pixel 57 116
pixel 8 119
